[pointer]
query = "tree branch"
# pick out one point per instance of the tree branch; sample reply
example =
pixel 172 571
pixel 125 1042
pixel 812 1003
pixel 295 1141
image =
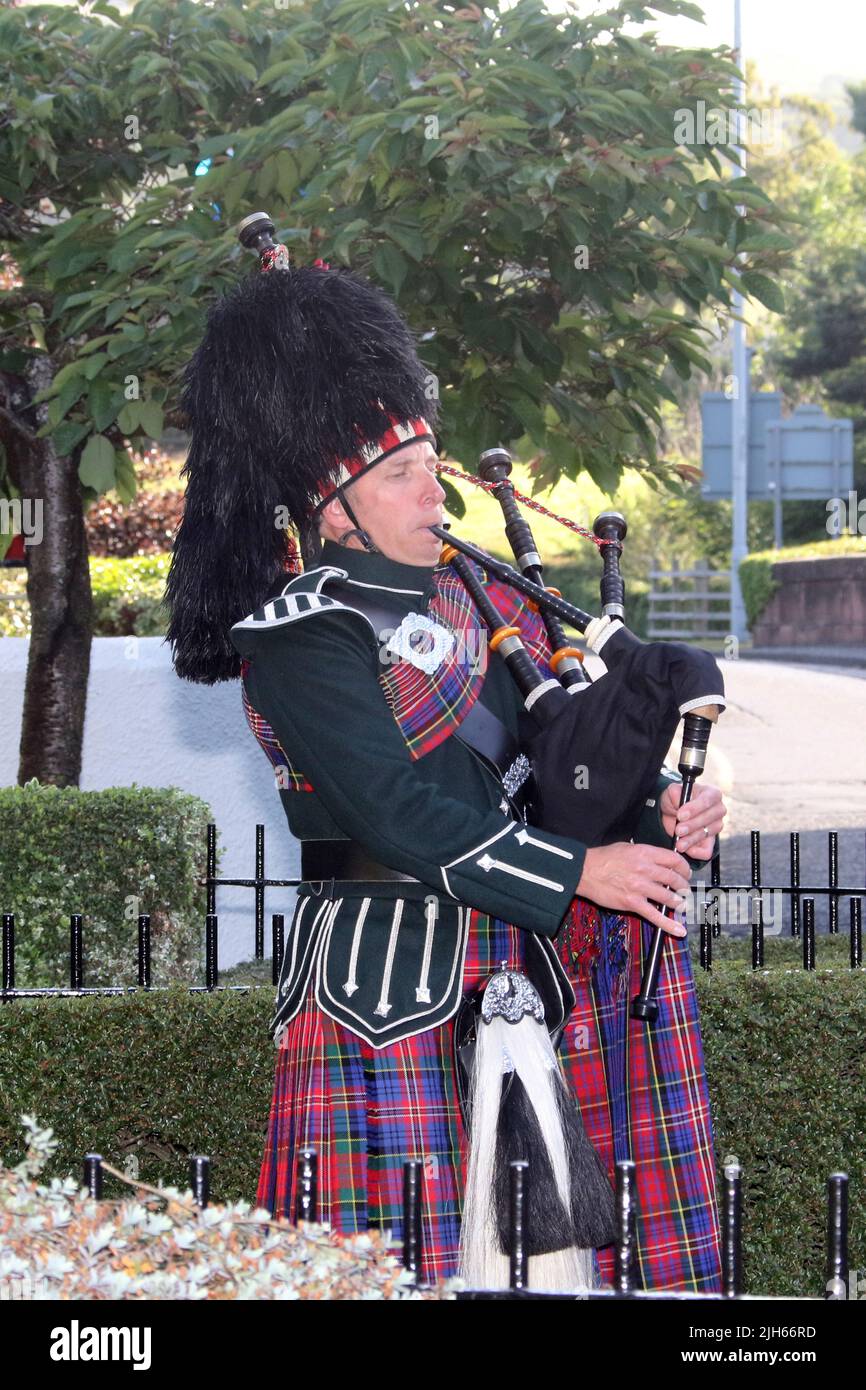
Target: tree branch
pixel 20 298
pixel 21 430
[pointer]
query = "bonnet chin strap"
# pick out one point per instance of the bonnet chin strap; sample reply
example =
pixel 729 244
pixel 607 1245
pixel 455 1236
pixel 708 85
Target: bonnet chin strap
pixel 357 530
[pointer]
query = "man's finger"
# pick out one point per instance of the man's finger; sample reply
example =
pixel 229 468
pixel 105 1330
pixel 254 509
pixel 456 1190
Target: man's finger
pixel 671 884
pixel 670 859
pixel 657 919
pixel 695 836
pixel 699 807
pixel 702 849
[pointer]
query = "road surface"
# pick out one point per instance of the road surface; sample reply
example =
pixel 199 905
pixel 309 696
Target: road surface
pixel 789 754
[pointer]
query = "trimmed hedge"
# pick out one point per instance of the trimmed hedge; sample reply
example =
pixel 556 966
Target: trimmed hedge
pixel 110 855
pixel 787 1074
pixel 140 1075
pixel 127 597
pixel 757 585
pixel 756 577
pixel 161 1075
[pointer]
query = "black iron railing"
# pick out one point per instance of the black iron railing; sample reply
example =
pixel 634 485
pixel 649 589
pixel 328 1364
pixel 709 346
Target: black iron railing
pixel 708 900
pixel 625 1279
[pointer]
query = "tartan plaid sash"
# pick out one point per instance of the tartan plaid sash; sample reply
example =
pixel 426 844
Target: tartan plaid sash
pixel 428 707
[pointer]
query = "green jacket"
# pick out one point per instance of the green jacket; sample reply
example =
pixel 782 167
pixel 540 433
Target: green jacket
pixel 390 957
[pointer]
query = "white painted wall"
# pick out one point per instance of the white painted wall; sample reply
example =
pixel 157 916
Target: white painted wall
pixel 145 725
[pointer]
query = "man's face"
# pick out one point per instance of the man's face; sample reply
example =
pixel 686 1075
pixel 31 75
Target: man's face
pixel 395 503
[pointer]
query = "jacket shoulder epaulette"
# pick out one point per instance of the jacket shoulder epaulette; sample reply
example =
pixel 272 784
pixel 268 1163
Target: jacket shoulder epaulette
pixel 302 597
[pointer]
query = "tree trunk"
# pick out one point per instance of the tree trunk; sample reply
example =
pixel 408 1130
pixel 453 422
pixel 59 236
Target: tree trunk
pixel 61 607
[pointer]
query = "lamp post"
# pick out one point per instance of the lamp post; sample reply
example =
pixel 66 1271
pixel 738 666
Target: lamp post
pixel 740 402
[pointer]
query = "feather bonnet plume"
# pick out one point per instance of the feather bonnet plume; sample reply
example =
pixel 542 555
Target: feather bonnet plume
pixel 295 369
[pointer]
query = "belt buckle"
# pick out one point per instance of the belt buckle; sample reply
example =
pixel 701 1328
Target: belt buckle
pixel 320 891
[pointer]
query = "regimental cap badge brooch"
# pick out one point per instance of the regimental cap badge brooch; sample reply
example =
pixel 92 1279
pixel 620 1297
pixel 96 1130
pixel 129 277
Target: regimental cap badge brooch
pixel 421 641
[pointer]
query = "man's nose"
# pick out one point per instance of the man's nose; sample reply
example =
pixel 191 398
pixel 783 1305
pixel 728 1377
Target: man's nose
pixel 433 490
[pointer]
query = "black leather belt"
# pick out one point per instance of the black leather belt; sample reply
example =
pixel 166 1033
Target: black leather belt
pixel 345 859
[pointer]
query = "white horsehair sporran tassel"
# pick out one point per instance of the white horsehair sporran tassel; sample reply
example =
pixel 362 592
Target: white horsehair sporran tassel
pixel 521 1107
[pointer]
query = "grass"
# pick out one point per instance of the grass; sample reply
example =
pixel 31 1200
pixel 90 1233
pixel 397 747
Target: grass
pixel 780 952
pixel 828 549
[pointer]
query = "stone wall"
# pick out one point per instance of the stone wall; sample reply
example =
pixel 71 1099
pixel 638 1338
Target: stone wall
pixel 818 603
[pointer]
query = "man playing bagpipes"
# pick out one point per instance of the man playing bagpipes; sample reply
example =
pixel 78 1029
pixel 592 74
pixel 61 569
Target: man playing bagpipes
pixel 441 947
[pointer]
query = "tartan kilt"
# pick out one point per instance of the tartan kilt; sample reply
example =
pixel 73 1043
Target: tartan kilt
pixel 642 1092
pixel 367 1110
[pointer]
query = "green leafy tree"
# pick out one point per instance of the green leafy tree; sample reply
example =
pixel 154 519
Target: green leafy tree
pixel 515 179
pixel 818 351
pixel 812 352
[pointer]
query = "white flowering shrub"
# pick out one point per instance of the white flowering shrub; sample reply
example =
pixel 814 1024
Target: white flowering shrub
pixel 58 1242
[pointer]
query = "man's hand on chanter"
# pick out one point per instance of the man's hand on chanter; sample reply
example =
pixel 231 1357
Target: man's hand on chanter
pixel 630 878
pixel 698 822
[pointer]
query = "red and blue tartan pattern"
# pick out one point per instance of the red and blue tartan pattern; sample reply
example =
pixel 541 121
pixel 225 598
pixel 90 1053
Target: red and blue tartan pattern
pixel 288 778
pixel 428 707
pixel 643 1095
pixel 367 1110
pixel 641 1090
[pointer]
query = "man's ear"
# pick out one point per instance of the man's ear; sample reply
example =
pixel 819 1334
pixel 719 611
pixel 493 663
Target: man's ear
pixel 335 514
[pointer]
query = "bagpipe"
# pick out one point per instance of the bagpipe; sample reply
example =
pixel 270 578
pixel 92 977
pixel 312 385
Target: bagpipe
pixel 599 745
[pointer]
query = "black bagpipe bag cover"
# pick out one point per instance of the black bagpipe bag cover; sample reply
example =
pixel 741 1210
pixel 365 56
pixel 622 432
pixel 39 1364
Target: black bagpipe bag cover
pixel 596 764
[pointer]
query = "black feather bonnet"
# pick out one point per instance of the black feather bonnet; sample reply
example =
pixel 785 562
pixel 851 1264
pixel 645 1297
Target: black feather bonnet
pixel 297 368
